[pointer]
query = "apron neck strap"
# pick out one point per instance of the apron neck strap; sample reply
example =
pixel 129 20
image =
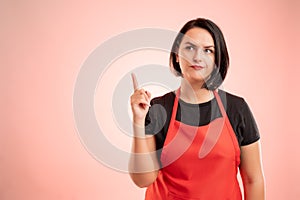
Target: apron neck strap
pixel 175 106
pixel 177 95
pixel 220 104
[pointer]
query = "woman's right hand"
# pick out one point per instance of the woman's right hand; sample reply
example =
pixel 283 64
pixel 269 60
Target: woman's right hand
pixel 140 102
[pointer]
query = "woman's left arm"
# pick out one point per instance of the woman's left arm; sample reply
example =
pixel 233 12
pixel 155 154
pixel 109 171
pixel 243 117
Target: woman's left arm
pixel 251 172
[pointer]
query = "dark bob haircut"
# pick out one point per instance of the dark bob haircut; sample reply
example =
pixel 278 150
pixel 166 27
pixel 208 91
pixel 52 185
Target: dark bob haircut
pixel 221 54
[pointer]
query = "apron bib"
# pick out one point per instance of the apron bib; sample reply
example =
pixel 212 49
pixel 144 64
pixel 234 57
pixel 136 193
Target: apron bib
pixel 198 163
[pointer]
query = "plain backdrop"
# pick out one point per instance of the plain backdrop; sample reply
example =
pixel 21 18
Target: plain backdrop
pixel 44 43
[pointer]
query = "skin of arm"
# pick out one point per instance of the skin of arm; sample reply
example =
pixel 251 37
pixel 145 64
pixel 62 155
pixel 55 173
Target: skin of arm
pixel 251 172
pixel 143 163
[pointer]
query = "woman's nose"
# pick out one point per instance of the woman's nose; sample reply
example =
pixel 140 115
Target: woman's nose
pixel 198 55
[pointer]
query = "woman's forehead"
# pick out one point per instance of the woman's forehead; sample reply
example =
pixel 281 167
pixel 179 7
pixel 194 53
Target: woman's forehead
pixel 198 36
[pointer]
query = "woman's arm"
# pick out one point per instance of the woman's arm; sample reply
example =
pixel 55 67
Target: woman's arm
pixel 252 172
pixel 143 163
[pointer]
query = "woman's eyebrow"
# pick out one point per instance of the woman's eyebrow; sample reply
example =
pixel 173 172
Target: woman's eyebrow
pixel 207 46
pixel 190 43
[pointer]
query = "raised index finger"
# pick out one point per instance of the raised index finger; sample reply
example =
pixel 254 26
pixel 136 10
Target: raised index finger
pixel 134 81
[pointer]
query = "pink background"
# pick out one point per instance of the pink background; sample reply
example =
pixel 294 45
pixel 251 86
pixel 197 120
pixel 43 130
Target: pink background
pixel 44 43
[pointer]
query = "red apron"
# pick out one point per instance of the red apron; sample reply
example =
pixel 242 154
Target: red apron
pixel 199 163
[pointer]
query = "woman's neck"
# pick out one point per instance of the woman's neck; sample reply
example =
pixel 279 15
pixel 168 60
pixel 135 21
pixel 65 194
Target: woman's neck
pixel 193 93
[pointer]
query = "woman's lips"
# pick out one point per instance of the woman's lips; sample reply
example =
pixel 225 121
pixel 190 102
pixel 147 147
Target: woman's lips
pixel 197 67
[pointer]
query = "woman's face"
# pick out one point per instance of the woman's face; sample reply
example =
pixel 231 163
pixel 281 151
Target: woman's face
pixel 196 55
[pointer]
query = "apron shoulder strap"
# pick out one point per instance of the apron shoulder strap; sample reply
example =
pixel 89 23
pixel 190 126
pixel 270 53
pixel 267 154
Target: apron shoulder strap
pixel 228 124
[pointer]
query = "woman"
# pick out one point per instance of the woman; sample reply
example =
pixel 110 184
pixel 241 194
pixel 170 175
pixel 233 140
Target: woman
pixel 190 143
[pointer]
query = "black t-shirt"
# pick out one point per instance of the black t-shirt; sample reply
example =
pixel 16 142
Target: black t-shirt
pixel 238 112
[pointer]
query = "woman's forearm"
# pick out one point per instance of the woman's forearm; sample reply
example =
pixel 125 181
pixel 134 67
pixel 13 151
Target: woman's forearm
pixel 251 172
pixel 254 190
pixel 143 164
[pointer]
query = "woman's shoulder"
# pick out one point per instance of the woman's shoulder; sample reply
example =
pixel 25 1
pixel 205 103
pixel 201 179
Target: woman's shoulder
pixel 232 102
pixel 167 98
pixel 231 98
pixel 241 118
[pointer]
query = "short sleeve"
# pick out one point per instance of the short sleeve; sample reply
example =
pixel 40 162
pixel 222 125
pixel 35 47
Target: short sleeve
pixel 247 127
pixel 155 118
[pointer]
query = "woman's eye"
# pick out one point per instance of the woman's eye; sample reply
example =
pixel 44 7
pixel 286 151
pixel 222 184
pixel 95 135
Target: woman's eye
pixel 208 51
pixel 190 48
